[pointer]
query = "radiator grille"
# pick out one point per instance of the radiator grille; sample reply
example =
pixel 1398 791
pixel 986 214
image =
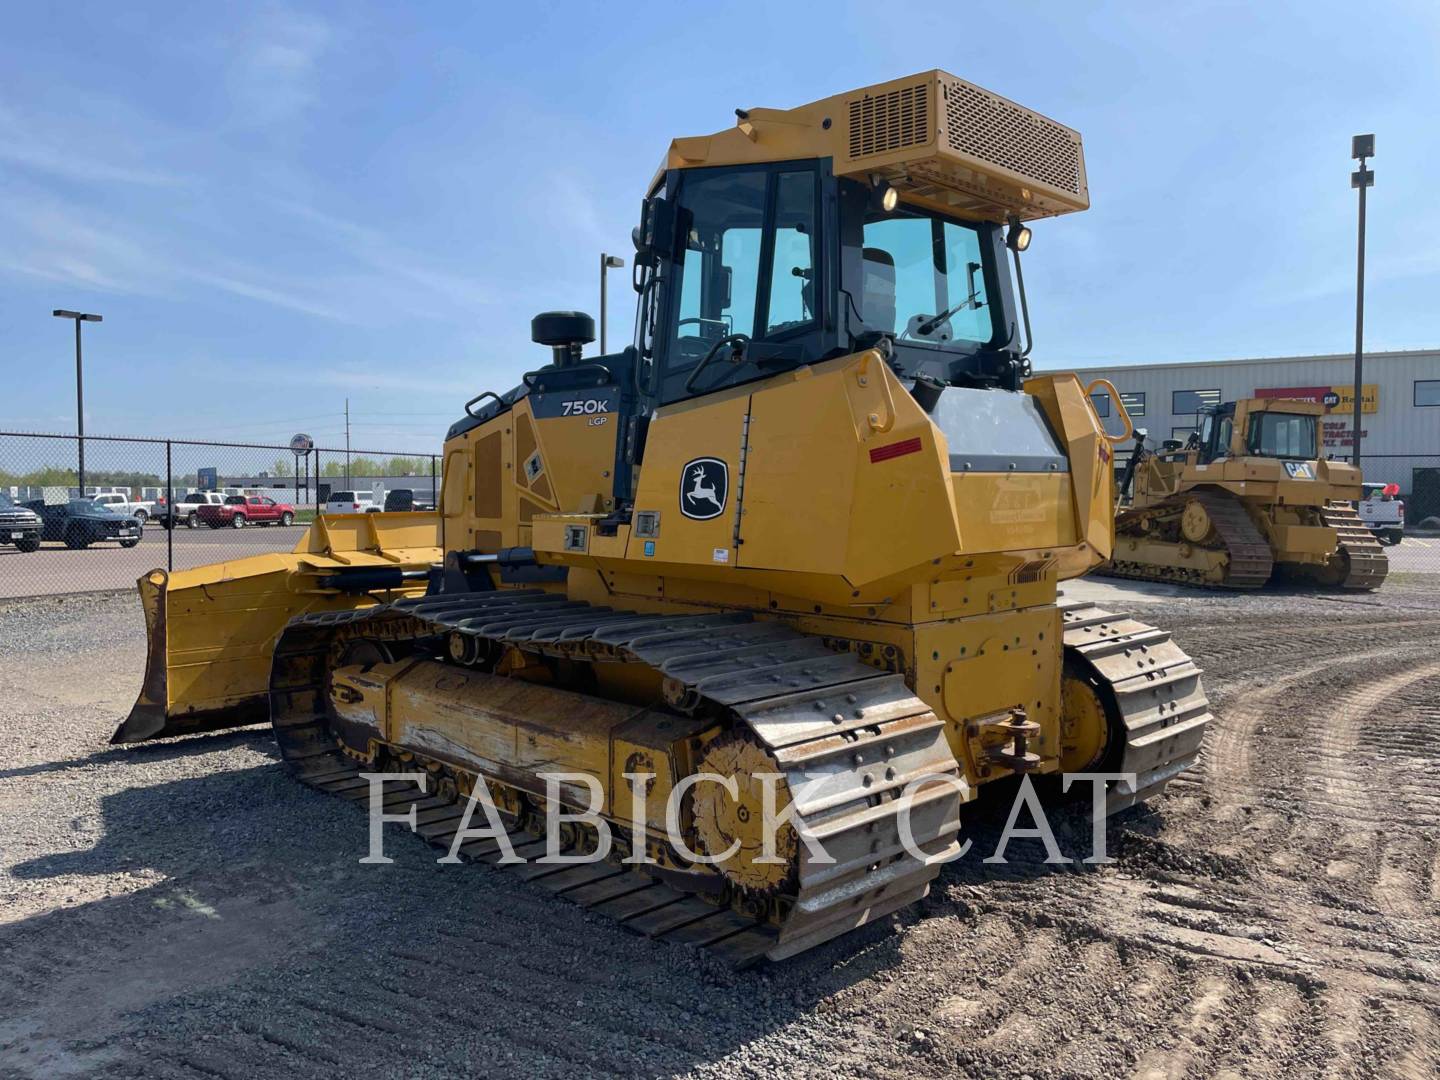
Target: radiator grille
pixel 890 121
pixel 995 131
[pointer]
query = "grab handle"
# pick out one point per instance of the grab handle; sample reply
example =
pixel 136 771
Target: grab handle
pixel 1109 388
pixel 863 377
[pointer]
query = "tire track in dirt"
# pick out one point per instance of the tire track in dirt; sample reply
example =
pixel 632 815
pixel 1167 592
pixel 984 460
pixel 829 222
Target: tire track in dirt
pixel 1256 698
pixel 1371 796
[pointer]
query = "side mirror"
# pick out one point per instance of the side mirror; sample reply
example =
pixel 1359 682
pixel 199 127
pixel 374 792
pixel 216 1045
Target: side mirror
pixel 658 233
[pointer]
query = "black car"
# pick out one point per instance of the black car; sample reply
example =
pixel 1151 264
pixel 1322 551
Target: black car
pixel 403 499
pixel 18 525
pixel 81 522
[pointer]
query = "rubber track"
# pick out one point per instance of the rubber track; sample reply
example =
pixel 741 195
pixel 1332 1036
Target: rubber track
pixel 1251 561
pixel 1156 688
pixel 1367 563
pixel 848 738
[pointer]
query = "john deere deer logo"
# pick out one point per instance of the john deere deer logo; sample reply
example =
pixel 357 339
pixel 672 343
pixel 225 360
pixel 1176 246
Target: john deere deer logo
pixel 704 487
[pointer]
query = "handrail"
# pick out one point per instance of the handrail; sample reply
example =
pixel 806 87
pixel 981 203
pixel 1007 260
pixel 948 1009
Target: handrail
pixel 862 376
pixel 481 397
pixel 1109 388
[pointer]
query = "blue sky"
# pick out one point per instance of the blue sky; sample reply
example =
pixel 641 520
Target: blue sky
pixel 275 206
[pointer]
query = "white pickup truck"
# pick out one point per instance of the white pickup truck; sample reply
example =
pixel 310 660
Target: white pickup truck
pixel 1383 512
pixel 122 505
pixel 187 508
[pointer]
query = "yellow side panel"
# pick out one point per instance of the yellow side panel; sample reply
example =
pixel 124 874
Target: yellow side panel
pixel 817 500
pixel 709 428
pixel 579 453
pixel 1013 511
pixel 1091 471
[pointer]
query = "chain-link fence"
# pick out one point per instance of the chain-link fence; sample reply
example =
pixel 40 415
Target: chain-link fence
pixel 1402 506
pixel 84 516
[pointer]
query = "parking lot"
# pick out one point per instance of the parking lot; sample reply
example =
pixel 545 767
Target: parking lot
pixel 56 569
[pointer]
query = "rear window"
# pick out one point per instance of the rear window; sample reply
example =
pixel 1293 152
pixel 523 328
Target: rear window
pixel 193 498
pixel 343 496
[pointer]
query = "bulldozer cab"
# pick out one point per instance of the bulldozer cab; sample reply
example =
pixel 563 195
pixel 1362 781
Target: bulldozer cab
pixel 1259 428
pixel 748 270
pixel 1217 432
pixel 1289 430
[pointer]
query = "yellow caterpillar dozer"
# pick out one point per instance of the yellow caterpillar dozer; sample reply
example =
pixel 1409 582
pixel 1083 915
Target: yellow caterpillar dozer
pixel 1250 497
pixel 809 525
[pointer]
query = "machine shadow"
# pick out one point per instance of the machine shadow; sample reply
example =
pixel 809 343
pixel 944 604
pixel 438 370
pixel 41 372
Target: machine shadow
pixel 257 738
pixel 248 860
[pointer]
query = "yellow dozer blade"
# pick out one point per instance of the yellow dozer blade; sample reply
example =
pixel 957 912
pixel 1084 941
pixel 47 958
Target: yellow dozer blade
pixel 211 631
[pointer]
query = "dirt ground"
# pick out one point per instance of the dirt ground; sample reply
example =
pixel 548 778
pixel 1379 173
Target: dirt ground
pixel 185 910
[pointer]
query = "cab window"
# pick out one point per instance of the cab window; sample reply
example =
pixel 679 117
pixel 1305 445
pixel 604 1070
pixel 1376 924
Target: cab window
pixel 1283 435
pixel 1222 436
pixel 722 260
pixel 749 266
pixel 792 283
pixel 924 281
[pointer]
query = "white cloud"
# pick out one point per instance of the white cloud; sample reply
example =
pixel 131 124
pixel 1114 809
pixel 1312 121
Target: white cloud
pixel 345 378
pixel 74 147
pixel 45 238
pixel 378 251
pixel 291 300
pixel 271 76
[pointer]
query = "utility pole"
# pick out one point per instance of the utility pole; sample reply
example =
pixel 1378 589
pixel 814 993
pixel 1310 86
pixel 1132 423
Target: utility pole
pixel 1361 147
pixel 347 442
pixel 79 317
pixel 607 262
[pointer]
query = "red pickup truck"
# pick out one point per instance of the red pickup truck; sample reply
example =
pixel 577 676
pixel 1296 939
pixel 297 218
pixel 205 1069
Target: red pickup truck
pixel 237 511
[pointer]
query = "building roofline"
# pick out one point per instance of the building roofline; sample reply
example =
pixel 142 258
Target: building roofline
pixel 1394 354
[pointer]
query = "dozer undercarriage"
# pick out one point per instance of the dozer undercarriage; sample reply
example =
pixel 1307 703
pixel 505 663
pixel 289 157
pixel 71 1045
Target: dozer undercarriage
pixel 416 687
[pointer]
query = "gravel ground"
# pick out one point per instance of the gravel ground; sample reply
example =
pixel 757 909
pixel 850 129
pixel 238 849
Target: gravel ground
pixel 185 910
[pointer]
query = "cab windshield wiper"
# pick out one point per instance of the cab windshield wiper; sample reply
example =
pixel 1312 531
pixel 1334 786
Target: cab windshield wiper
pixel 973 302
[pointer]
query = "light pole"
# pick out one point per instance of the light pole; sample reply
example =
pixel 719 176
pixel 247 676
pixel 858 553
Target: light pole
pixel 607 262
pixel 79 317
pixel 1361 147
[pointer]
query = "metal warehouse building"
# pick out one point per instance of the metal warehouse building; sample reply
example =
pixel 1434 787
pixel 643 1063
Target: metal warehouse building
pixel 1400 406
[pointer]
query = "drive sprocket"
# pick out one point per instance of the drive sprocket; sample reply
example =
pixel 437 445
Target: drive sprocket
pixel 723 823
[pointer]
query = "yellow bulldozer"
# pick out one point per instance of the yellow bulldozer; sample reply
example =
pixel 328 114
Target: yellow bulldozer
pixel 1248 497
pixel 810 525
